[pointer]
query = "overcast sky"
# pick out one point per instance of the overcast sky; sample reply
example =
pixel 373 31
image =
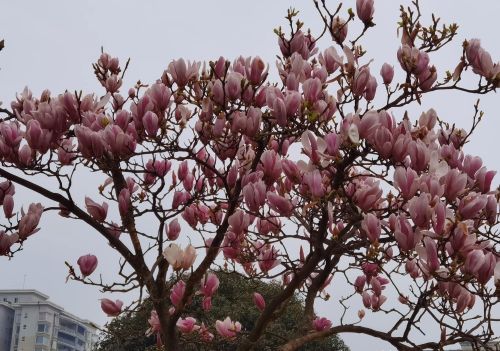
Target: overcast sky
pixel 51 44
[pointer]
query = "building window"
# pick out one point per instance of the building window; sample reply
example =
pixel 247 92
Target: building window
pixel 81 330
pixel 24 326
pixel 43 328
pixel 15 299
pixel 26 315
pixel 41 340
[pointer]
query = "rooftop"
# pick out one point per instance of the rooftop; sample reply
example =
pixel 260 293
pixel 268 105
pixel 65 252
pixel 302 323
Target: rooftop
pixel 44 301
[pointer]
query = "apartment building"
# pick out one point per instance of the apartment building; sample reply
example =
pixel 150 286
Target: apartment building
pixel 30 322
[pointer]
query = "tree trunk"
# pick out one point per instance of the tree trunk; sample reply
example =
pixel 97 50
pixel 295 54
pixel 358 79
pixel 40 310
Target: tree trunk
pixel 169 336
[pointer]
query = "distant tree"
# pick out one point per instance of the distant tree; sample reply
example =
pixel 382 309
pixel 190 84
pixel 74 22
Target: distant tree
pixel 234 297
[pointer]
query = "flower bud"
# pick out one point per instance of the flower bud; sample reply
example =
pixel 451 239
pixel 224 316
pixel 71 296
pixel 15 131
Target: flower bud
pixel 387 73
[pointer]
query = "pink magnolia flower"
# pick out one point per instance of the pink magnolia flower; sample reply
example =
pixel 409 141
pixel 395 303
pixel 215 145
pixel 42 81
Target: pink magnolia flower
pixel 177 293
pixel 368 124
pixel 367 194
pixel 259 301
pixel 25 155
pixel 419 155
pixel 111 308
pixel 254 118
pixel 206 303
pixel 371 88
pixel 370 269
pixel 387 73
pixel 37 138
pixel 371 227
pixel 491 209
pixel 420 210
pixel 6 241
pixel 427 78
pixel 330 59
pixel 233 85
pixel 179 198
pixel 268 225
pixel 268 258
pixel 312 89
pixel 8 205
pixel 255 70
pixel 471 204
pixel 359 283
pixel 150 122
pixel 183 170
pixel 182 73
pixel 365 9
pixel 209 285
pixel 239 221
pixel 124 201
pixel 87 264
pixel 291 171
pixel 30 220
pixel 98 212
pixel 227 328
pixel 360 81
pixel 406 180
pixel 189 215
pixel 173 229
pixel 332 141
pixel 376 286
pixel 454 184
pixel 187 325
pixel 377 301
pixel 479 58
pixel 429 254
pixel 154 324
pixel 474 261
pixel 160 95
pixel 366 298
pixel 270 164
pixel 280 204
pixel 403 232
pixel 314 183
pixel 412 269
pixel 487 270
pixel 314 147
pixel 12 136
pixel 6 188
pixel 255 195
pixel 484 179
pixel 321 324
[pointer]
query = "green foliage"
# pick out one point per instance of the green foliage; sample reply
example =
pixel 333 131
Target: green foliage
pixel 235 299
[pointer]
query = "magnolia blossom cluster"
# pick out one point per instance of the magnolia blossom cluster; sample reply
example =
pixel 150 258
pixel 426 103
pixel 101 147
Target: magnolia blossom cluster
pixel 294 180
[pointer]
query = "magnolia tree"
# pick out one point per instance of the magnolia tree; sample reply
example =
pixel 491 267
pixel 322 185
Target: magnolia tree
pixel 303 180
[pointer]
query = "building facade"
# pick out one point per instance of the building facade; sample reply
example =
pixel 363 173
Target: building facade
pixel 30 322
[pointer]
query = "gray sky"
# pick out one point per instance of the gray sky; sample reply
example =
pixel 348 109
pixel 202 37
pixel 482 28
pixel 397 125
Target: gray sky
pixel 51 44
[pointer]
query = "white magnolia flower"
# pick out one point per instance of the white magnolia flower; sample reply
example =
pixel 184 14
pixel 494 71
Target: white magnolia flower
pixel 178 258
pixel 173 254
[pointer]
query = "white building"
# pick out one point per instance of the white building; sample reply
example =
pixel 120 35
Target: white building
pixel 30 322
pixel 468 347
